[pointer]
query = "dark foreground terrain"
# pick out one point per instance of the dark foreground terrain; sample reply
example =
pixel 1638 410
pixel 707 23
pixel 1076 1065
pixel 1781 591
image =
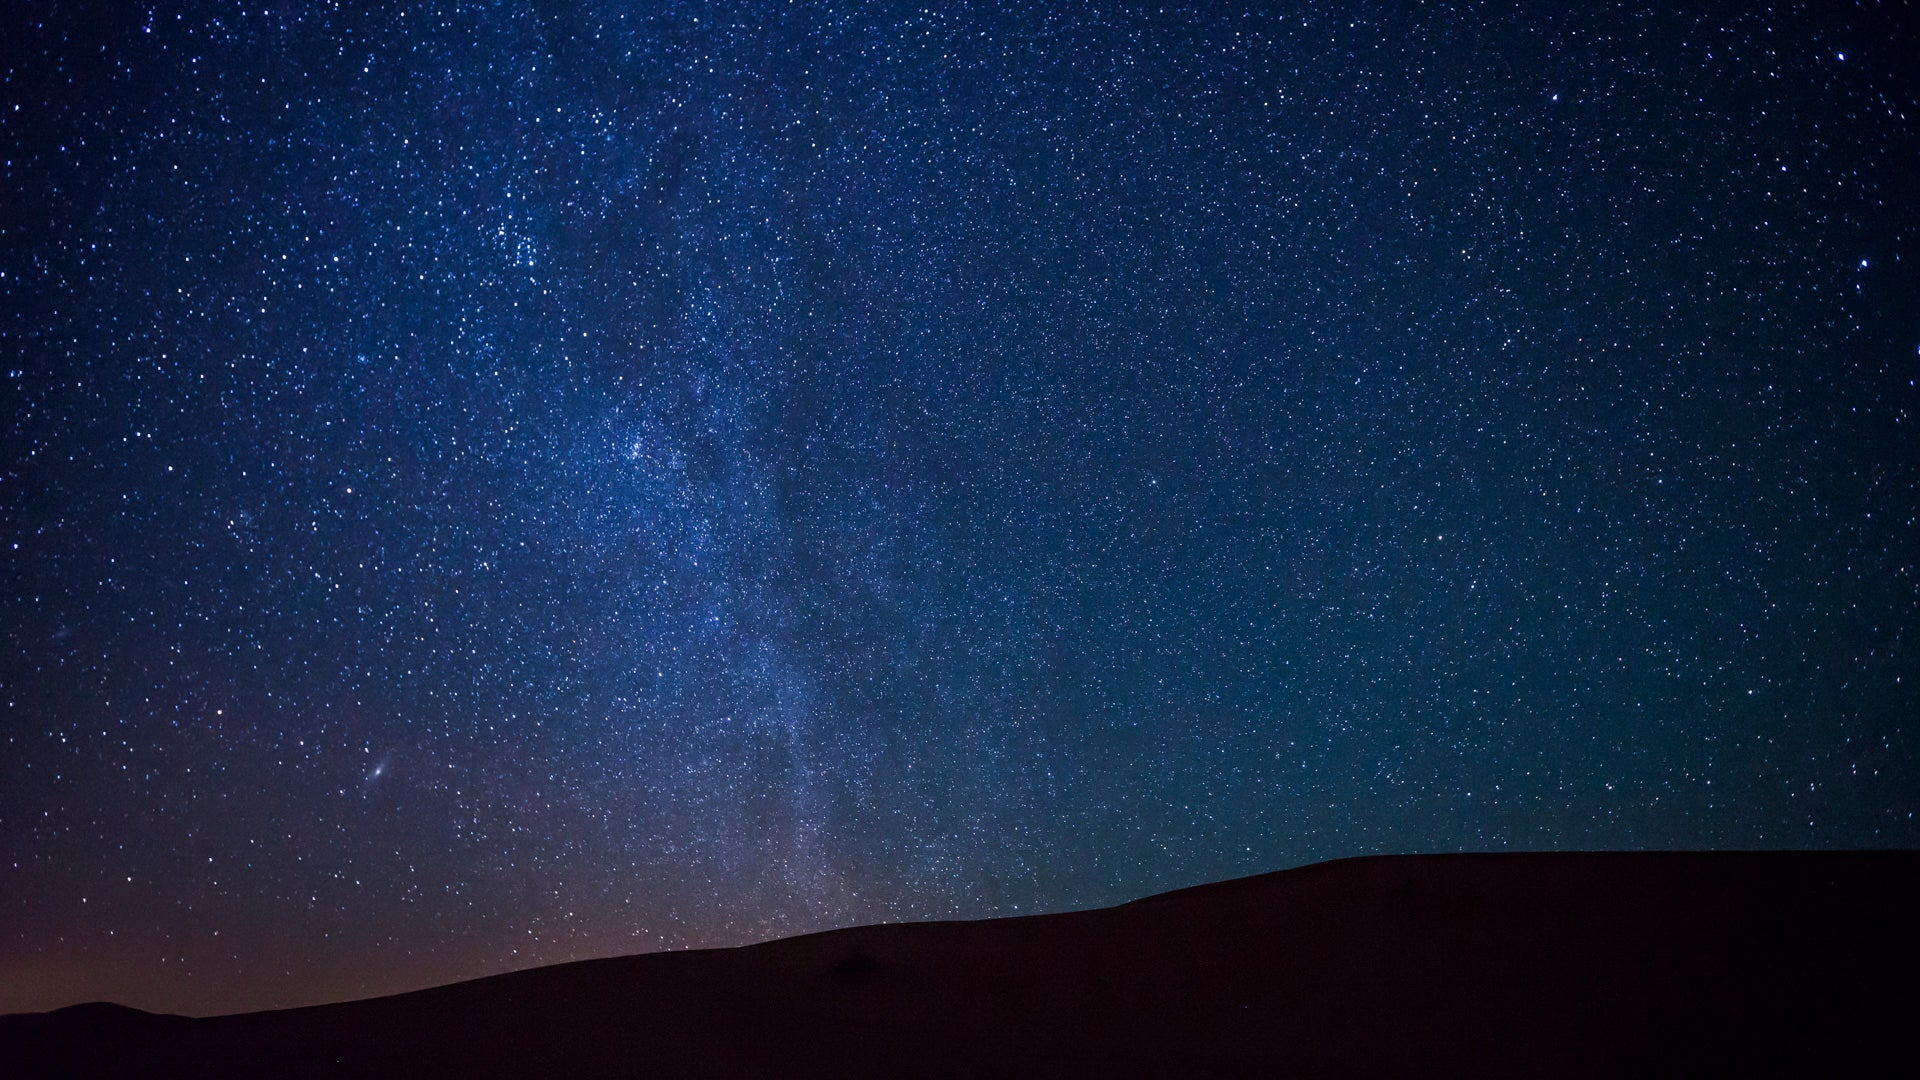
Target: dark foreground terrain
pixel 1487 965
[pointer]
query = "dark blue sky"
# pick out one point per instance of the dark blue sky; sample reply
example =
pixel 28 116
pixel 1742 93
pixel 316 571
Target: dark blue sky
pixel 485 485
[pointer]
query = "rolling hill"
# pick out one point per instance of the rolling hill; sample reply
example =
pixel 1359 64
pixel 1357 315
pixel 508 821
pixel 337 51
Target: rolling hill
pixel 1558 964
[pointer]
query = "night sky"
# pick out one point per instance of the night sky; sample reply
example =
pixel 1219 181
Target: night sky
pixel 485 485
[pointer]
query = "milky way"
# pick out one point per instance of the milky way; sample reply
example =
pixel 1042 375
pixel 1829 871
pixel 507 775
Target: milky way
pixel 487 485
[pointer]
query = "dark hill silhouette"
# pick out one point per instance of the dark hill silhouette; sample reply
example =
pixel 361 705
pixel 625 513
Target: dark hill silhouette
pixel 1487 965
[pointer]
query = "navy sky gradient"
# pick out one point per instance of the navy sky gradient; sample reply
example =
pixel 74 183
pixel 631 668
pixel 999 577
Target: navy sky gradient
pixel 485 485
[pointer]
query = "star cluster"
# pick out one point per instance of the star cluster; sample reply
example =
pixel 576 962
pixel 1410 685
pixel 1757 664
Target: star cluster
pixel 485 485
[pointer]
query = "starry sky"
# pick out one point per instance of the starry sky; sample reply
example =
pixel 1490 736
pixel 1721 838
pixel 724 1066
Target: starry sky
pixel 491 484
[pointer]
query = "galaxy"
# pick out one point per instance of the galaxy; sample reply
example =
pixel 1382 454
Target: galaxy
pixel 484 485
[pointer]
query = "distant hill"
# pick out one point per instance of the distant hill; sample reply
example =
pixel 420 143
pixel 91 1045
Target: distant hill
pixel 1673 964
